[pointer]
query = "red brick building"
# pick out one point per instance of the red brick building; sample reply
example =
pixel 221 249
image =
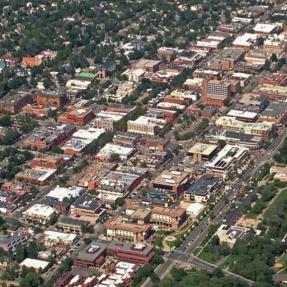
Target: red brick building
pixel 216 93
pixel 76 116
pixel 51 99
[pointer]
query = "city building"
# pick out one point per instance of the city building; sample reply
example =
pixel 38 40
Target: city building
pixel 216 93
pixel 15 101
pixel 38 176
pixel 39 213
pixel 144 125
pixel 279 172
pixel 71 225
pixel 275 113
pixel 257 57
pixel 47 136
pixel 202 152
pixel 108 119
pixel 35 110
pixel 36 264
pixel 91 176
pixel 273 92
pixel 65 193
pixel 229 235
pixel 110 149
pixel 53 238
pixel 118 184
pixel 48 98
pixel 227 161
pixel 245 41
pixel 48 161
pixel 120 228
pixel 234 138
pixel 226 59
pixel 137 253
pixel 10 243
pixel 81 140
pixel 202 189
pixel 257 129
pixel 75 116
pixel 87 208
pixel 168 218
pixel 172 180
pixel 92 256
pixel 265 28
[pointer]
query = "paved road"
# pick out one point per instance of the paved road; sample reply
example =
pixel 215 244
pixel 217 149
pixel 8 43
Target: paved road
pixel 220 211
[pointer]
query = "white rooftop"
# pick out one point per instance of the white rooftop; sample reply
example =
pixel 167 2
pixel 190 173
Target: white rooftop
pixel 60 193
pixel 245 40
pixel 34 263
pixel 60 236
pixel 40 210
pixel 111 148
pixel 242 114
pixel 264 28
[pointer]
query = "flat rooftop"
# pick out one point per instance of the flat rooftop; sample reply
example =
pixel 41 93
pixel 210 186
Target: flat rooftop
pixel 203 149
pixel 203 185
pixel 172 178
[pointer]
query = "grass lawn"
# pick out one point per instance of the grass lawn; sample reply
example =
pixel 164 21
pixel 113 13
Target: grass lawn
pixel 274 206
pixel 207 256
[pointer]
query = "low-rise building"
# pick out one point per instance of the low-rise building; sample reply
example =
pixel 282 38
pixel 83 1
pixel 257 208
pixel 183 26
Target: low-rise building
pixel 229 235
pixel 47 136
pixel 81 140
pixel 118 227
pixel 168 218
pixel 275 113
pixel 202 189
pixel 50 98
pixel 92 256
pixel 76 116
pixel 68 224
pixel 227 161
pixel 53 238
pixel 137 253
pixel 91 176
pixel 172 180
pixel 108 119
pixel 144 125
pixel 68 193
pixel 15 101
pixel 226 59
pixel 87 208
pixel 245 41
pixel 202 151
pixel 36 264
pixel 38 176
pixel 279 172
pixel 110 149
pixel 10 243
pixel 257 129
pixel 40 213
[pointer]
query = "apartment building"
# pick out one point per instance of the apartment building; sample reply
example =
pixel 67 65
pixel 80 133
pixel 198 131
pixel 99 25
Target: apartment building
pixel 144 126
pixel 216 93
pixel 54 238
pixel 15 101
pixel 168 218
pixel 87 208
pixel 257 129
pixel 121 228
pixel 226 59
pixel 50 98
pixel 40 213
